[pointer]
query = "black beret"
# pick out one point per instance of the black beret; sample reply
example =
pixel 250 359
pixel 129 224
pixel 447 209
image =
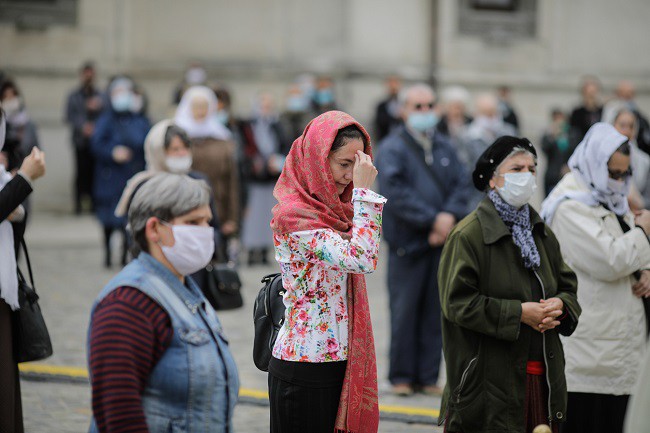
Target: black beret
pixel 494 155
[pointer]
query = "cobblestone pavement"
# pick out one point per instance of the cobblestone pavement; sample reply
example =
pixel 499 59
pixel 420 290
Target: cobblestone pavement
pixel 67 258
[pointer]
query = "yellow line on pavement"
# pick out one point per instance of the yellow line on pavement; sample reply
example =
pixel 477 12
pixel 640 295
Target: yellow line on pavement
pixel 78 372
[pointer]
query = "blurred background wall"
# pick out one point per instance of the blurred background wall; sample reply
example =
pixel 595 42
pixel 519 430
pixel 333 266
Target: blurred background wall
pixel 540 48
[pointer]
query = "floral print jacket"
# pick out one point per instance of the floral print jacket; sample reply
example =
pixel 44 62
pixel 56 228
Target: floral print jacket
pixel 315 265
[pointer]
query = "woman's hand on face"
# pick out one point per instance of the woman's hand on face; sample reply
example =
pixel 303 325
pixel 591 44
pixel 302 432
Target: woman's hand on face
pixel 641 289
pixel 364 172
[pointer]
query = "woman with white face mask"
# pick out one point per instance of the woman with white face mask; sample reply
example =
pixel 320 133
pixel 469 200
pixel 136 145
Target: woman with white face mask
pixel 154 340
pixel 506 296
pixel 167 149
pixel 607 246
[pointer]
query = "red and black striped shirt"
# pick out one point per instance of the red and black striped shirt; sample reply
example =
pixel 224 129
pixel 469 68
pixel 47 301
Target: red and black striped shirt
pixel 129 334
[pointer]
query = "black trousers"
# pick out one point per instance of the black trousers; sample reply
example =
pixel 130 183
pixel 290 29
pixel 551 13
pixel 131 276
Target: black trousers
pixel 304 396
pixel 11 413
pixel 595 413
pixel 84 175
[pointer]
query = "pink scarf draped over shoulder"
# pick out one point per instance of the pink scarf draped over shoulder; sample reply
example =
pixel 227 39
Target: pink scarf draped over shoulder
pixel 308 200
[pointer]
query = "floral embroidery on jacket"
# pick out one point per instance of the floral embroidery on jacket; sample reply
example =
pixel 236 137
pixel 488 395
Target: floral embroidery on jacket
pixel 315 265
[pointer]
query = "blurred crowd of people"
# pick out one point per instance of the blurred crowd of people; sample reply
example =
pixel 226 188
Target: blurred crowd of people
pixel 427 147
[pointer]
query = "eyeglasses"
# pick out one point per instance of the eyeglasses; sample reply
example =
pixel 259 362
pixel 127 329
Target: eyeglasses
pixel 428 106
pixel 618 175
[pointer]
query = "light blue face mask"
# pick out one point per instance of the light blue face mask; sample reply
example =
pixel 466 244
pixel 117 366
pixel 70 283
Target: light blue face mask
pixel 122 102
pixel 222 116
pixel 297 103
pixel 324 97
pixel 422 121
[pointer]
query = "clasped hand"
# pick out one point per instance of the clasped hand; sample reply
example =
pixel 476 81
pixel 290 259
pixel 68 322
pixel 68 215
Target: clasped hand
pixel 542 315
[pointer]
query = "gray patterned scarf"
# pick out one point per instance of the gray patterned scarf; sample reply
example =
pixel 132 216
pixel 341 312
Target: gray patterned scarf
pixel 518 221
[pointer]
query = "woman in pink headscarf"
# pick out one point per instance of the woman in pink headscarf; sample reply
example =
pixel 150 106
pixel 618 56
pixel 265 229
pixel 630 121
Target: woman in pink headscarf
pixel 323 373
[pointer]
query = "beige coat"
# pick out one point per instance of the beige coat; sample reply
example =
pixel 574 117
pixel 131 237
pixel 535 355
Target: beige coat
pixel 605 352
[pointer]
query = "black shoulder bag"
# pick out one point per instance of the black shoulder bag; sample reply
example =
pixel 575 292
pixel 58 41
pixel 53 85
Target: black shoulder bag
pixel 223 287
pixel 268 316
pixel 31 338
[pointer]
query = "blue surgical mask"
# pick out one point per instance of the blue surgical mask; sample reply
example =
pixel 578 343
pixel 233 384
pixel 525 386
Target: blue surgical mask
pixel 297 103
pixel 122 101
pixel 222 116
pixel 324 97
pixel 422 121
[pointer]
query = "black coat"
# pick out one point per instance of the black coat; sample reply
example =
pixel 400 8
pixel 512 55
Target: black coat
pixel 11 196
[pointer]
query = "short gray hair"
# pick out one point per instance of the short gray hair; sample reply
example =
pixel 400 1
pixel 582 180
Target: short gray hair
pixel 403 96
pixel 164 196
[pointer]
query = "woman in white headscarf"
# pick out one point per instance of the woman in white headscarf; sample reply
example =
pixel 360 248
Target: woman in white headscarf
pixel 214 153
pixel 13 191
pixel 607 246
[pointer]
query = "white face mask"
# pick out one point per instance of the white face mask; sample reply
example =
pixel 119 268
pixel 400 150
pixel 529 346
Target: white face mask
pixel 192 250
pixel 518 188
pixel 11 106
pixel 179 164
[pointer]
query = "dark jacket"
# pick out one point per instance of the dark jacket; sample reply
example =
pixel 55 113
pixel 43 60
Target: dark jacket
pixel 77 114
pixel 482 284
pixel 114 129
pixel 417 191
pixel 13 194
pixel 255 163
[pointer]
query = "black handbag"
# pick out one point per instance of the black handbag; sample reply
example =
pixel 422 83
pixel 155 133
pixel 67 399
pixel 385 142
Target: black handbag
pixel 222 287
pixel 31 338
pixel 268 316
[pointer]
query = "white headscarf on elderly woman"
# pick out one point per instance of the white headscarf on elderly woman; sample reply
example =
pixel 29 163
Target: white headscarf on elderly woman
pixel 8 277
pixel 589 165
pixel 154 154
pixel 209 127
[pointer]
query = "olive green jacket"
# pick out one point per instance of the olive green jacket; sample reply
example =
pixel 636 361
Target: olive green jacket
pixel 483 283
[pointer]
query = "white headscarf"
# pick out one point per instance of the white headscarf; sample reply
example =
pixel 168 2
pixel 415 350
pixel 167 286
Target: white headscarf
pixel 589 165
pixel 210 127
pixel 8 277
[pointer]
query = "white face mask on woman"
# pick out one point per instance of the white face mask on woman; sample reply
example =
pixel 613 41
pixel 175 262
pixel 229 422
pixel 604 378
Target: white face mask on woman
pixel 192 250
pixel 518 188
pixel 179 164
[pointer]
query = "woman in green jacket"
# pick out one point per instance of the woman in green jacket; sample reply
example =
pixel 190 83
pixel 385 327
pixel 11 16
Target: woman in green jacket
pixel 506 295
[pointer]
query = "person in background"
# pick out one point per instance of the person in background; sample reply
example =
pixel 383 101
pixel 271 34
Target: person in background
pixel 326 230
pixel 455 119
pixel 506 109
pixel 297 111
pixel 21 130
pixel 387 115
pixel 14 190
pixel 157 354
pixel 118 148
pixel 608 248
pixel 487 126
pixel 506 297
pixel 195 75
pixel 427 190
pixel 625 122
pixel 215 155
pixel 324 98
pixel 83 107
pixel 590 112
pixel 557 146
pixel 167 149
pixel 624 98
pixel 265 150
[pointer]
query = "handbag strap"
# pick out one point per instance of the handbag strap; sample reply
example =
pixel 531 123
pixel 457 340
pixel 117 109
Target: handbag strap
pixel 29 264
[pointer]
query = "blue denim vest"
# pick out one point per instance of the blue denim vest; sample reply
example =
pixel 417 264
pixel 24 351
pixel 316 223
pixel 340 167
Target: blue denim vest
pixel 194 386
